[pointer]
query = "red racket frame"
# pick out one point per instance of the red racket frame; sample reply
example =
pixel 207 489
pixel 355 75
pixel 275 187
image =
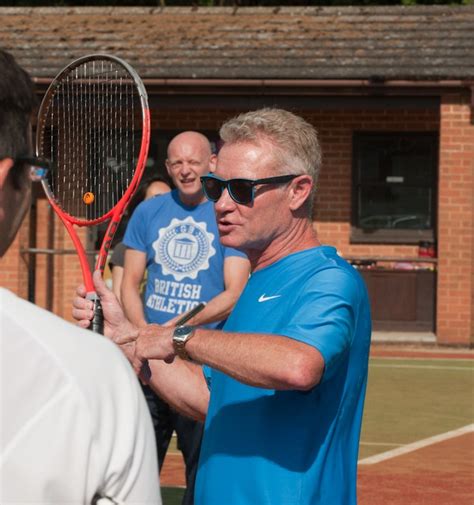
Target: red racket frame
pixel 115 214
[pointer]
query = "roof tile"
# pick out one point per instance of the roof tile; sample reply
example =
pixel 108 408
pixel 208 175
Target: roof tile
pixel 416 42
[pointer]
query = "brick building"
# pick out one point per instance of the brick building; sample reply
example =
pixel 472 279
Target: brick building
pixel 390 90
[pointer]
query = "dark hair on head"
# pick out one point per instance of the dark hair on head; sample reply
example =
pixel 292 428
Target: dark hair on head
pixel 17 101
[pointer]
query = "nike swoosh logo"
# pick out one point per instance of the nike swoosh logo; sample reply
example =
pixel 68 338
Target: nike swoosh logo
pixel 264 298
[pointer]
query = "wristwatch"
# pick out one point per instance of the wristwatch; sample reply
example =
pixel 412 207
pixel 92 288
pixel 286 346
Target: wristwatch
pixel 180 336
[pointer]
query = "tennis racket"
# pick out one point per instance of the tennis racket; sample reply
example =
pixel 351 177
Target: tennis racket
pixel 190 314
pixel 94 128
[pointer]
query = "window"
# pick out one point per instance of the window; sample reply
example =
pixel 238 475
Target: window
pixel 394 187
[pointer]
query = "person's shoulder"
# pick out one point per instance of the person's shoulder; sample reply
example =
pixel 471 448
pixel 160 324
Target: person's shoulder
pixel 323 257
pixel 56 357
pixel 163 199
pixel 330 269
pixel 80 354
pixel 317 264
pixel 155 203
pixel 60 373
pixel 147 212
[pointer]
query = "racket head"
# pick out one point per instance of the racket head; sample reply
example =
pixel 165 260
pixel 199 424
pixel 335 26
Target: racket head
pixel 94 126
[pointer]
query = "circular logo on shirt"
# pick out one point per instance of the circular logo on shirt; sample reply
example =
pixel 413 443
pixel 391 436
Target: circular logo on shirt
pixel 184 248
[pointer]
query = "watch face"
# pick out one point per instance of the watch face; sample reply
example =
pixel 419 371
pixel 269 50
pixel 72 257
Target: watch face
pixel 182 331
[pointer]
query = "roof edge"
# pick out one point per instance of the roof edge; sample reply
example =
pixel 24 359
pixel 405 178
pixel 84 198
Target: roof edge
pixel 313 10
pixel 454 83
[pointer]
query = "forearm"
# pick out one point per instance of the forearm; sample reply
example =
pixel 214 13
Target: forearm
pixel 133 305
pixel 267 361
pixel 131 297
pixel 182 385
pixel 117 276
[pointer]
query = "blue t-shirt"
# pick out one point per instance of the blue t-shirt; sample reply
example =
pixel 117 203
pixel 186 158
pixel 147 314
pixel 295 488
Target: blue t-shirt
pixel 185 260
pixel 268 447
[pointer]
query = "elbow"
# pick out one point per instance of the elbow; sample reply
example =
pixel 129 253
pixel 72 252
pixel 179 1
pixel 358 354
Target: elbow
pixel 201 416
pixel 198 409
pixel 202 406
pixel 306 371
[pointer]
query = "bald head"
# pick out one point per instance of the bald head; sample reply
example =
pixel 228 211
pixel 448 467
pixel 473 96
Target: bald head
pixel 197 141
pixel 189 157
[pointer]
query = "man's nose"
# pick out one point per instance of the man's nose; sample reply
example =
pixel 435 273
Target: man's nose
pixel 186 168
pixel 225 202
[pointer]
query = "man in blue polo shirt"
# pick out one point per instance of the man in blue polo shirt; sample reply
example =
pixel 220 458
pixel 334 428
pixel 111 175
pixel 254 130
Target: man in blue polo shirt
pixel 282 387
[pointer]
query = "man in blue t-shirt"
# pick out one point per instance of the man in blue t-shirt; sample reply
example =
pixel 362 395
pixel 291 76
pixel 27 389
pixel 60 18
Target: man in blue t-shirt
pixel 281 388
pixel 174 237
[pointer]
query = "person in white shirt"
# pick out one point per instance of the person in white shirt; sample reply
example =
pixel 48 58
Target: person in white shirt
pixel 74 425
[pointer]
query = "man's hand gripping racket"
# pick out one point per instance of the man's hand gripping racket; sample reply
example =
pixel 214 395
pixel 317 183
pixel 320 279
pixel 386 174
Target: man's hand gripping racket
pixel 94 127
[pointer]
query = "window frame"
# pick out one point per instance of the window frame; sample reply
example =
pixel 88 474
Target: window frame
pixel 383 235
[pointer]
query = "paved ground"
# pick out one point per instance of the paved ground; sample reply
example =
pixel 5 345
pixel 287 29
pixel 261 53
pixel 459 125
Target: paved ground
pixel 418 351
pixel 441 474
pixel 172 473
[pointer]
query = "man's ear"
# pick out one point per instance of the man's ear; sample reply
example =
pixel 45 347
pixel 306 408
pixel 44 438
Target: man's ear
pixel 212 163
pixel 6 165
pixel 300 191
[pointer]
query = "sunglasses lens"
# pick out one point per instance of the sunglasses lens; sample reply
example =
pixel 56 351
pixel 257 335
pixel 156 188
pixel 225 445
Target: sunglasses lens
pixel 38 173
pixel 213 188
pixel 241 191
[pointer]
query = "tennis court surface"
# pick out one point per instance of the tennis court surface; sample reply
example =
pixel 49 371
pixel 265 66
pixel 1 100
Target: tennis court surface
pixel 417 442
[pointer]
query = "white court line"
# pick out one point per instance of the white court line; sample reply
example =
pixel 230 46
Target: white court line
pixel 380 443
pixel 416 445
pixel 413 358
pixel 425 367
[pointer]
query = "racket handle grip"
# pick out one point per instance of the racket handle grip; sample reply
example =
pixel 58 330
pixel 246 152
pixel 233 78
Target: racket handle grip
pixel 97 323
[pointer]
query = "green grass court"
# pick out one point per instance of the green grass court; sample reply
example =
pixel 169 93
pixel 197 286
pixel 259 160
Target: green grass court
pixel 407 400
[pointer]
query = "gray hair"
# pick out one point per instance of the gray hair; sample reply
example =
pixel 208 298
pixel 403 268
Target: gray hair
pixel 295 142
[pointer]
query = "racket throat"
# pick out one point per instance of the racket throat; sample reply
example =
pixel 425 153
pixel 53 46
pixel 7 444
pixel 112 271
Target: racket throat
pixel 106 243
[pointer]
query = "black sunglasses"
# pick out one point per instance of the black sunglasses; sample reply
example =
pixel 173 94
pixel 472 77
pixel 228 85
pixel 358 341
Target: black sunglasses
pixel 240 190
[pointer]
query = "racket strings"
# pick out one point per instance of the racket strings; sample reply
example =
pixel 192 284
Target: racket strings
pixel 95 130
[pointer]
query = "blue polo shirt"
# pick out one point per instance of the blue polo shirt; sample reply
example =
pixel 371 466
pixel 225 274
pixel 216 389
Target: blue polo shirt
pixel 269 447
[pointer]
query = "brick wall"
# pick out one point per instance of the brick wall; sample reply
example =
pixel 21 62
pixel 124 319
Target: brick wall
pixel 12 271
pixel 59 279
pixel 455 323
pixel 456 210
